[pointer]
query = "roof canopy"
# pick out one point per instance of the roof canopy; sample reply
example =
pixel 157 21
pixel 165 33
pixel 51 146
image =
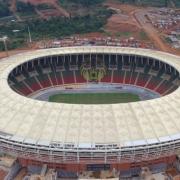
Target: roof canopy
pixel 36 122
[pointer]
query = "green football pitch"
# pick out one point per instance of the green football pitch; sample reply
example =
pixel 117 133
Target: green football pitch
pixel 94 98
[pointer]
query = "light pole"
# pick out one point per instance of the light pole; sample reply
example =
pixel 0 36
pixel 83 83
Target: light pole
pixel 4 39
pixel 29 32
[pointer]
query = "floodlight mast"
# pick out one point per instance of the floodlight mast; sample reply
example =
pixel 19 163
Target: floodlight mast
pixel 30 38
pixel 4 39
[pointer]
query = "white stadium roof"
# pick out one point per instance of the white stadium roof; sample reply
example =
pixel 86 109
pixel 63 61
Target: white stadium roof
pixel 31 121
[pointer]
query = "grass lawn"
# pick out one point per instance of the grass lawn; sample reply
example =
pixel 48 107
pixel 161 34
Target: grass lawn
pixel 94 98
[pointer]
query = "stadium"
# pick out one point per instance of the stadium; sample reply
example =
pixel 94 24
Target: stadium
pixel 80 134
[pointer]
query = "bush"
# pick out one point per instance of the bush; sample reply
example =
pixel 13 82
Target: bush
pixel 58 27
pixel 24 7
pixel 4 10
pixel 156 3
pixel 84 2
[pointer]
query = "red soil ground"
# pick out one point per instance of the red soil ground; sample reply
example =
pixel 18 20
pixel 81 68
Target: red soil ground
pixel 3 174
pixel 58 11
pixel 134 22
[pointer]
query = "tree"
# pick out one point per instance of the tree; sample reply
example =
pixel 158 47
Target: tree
pixel 24 7
pixel 4 10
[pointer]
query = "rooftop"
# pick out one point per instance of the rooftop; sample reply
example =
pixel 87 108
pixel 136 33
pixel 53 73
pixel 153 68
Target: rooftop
pixel 35 122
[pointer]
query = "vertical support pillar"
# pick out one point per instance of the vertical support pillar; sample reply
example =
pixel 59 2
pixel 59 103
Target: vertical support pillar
pixel 109 60
pixel 116 60
pixel 105 157
pixel 96 60
pixel 83 57
pixel 78 157
pixel 77 60
pixel 90 60
pixel 57 58
pixel 103 59
pixel 122 60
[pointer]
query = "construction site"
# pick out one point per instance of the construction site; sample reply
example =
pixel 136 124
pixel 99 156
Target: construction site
pixel 129 25
pixel 12 169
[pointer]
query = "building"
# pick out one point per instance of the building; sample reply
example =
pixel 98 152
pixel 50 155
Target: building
pixel 90 137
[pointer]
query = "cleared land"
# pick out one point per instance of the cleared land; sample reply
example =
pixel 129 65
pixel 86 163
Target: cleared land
pixel 94 98
pixel 128 21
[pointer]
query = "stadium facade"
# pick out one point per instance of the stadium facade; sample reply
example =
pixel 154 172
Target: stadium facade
pixel 85 137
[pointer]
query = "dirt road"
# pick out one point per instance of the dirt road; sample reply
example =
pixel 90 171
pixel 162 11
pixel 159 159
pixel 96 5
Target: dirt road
pixel 149 29
pixel 153 34
pixel 136 18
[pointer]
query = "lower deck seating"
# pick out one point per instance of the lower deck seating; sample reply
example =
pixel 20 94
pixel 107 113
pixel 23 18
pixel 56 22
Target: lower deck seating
pixel 134 76
pixel 79 77
pixel 173 88
pixel 127 77
pixel 53 79
pixel 107 77
pixel 32 82
pixel 21 87
pixel 41 81
pixel 153 83
pixel 165 86
pixel 68 77
pixel 44 80
pixel 59 78
pixel 118 76
pixel 142 79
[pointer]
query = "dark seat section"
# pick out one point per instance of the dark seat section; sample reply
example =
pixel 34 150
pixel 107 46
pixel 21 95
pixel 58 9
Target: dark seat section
pixel 49 72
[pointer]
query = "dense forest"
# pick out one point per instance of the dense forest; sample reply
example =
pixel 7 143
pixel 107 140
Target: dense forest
pixel 4 8
pixel 85 16
pixel 24 7
pixel 56 27
pixel 83 2
pixel 155 3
